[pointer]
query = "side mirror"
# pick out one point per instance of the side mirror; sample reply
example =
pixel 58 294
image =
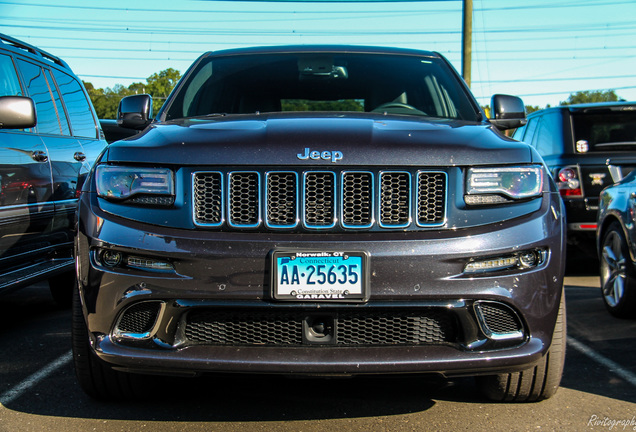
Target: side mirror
pixel 17 112
pixel 135 112
pixel 508 112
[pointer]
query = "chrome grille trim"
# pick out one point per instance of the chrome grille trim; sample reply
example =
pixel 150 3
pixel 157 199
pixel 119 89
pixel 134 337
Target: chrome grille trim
pixel 281 199
pixel 244 199
pixel 319 201
pixel 207 199
pixel 395 199
pixel 337 199
pixel 432 188
pixel 358 199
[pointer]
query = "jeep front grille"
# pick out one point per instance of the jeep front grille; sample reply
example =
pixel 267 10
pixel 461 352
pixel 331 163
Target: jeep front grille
pixel 319 200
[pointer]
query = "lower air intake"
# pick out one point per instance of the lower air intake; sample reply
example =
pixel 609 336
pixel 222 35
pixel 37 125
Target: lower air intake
pixel 139 318
pixel 499 320
pixel 352 328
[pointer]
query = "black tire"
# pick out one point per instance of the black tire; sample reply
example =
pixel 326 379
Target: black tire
pixel 61 287
pixel 618 276
pixel 95 377
pixel 537 383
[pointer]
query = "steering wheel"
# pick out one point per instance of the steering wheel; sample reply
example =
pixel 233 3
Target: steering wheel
pixel 399 106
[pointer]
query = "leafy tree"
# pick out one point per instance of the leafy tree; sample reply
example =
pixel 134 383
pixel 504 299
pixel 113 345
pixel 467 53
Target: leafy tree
pixel 590 96
pixel 158 85
pixel 309 105
pixel 531 109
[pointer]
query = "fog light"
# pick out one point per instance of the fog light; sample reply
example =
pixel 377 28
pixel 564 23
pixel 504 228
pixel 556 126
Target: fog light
pixel 111 258
pixel 528 259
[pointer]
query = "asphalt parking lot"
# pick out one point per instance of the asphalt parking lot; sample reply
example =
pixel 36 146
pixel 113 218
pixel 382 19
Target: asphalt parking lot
pixel 38 389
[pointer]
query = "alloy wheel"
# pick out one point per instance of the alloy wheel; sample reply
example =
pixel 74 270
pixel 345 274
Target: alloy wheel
pixel 613 271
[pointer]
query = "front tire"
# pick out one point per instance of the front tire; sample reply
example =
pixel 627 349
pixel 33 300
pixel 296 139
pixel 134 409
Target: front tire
pixel 537 383
pixel 61 287
pixel 618 276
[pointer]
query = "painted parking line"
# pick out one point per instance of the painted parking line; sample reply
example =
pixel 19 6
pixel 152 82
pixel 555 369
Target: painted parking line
pixel 610 364
pixel 17 391
pixel 33 380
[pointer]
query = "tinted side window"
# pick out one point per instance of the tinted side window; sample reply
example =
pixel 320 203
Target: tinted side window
pixel 59 108
pixel 548 139
pixel 79 110
pixel 519 133
pixel 529 129
pixel 9 82
pixel 39 90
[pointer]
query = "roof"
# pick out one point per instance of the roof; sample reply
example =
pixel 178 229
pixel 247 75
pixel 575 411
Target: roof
pixel 18 46
pixel 591 107
pixel 344 49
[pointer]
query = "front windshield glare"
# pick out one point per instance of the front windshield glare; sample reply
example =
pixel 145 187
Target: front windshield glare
pixel 377 83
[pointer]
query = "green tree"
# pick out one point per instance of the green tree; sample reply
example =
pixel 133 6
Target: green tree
pixel 310 105
pixel 590 96
pixel 158 85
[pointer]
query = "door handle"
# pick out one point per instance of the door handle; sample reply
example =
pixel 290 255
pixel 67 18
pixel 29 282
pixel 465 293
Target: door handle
pixel 39 156
pixel 79 156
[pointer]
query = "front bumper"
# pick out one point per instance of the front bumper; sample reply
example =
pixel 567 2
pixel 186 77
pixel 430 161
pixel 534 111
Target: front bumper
pixel 411 274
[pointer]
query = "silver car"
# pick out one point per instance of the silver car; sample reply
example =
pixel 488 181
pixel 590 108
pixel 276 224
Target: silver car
pixel 615 240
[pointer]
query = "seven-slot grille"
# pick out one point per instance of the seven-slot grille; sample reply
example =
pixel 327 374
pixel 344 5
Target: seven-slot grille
pixel 319 199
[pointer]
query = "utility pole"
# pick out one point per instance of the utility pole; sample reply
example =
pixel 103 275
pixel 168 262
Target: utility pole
pixel 467 39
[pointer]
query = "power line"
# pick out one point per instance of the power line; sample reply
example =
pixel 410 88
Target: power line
pixel 578 27
pixel 329 6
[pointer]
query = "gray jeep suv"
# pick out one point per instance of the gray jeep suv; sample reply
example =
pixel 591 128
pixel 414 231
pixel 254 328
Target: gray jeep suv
pixel 49 139
pixel 324 211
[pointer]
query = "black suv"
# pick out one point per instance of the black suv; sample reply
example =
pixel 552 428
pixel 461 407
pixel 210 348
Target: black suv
pixel 49 139
pixel 586 147
pixel 322 211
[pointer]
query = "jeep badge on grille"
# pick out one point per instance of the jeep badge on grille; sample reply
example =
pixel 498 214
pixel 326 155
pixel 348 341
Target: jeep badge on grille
pixel 333 156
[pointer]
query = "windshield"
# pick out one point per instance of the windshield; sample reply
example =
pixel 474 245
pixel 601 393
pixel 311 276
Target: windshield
pixel 606 130
pixel 264 83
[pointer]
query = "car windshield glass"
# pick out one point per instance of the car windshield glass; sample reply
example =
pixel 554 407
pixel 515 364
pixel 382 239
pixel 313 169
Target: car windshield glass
pixel 264 83
pixel 605 130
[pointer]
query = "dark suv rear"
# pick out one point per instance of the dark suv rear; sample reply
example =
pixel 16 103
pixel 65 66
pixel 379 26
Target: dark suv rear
pixel 49 139
pixel 587 148
pixel 321 211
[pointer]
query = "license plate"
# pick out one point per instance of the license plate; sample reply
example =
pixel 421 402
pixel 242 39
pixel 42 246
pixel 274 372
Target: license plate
pixel 319 276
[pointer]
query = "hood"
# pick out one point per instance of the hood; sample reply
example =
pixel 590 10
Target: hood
pixel 284 139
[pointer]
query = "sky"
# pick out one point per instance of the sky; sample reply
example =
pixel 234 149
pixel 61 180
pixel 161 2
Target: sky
pixel 540 50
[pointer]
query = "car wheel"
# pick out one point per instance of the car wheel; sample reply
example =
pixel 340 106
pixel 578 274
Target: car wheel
pixel 537 383
pixel 61 287
pixel 618 277
pixel 95 377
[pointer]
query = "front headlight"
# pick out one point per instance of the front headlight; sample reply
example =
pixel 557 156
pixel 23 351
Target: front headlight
pixel 503 184
pixel 140 185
